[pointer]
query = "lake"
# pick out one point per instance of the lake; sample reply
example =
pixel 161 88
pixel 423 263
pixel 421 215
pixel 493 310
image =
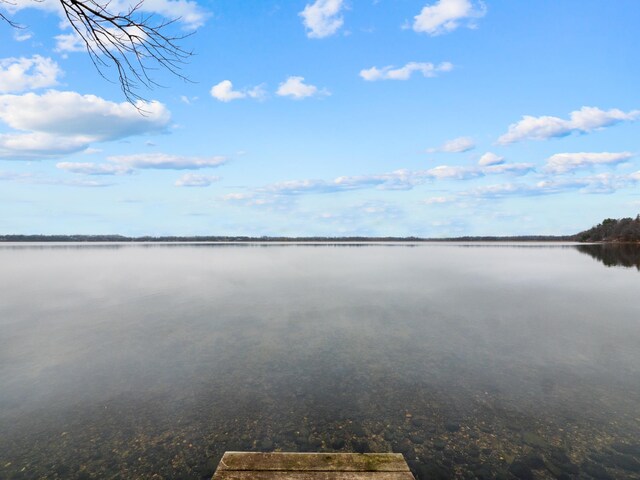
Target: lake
pixel 473 360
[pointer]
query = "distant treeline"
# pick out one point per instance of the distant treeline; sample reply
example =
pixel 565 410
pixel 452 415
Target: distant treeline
pixel 624 230
pixel 121 238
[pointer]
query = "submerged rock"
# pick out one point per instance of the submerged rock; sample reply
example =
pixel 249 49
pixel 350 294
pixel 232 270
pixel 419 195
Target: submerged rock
pixel 626 462
pixel 266 445
pixel 418 422
pixel 627 448
pixel 483 472
pixel 557 462
pixel 534 440
pixel 452 427
pixel 439 444
pixel 361 446
pixel 598 472
pixel 337 443
pixel 520 470
pixel 473 451
pixel 433 471
pixel 534 461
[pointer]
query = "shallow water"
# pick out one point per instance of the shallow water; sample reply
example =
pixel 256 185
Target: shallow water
pixel 474 361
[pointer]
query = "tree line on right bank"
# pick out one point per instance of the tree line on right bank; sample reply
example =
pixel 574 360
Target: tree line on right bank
pixel 623 230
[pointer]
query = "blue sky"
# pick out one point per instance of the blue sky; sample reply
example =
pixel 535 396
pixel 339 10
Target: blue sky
pixel 329 117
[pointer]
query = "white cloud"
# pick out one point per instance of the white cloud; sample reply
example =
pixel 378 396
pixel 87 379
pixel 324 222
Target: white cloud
pixel 296 88
pixel 584 120
pixel 76 182
pixel 19 74
pixel 258 92
pixel 322 18
pixel 277 193
pixel 445 16
pixel 294 187
pixel 21 36
pixel 193 180
pixel 511 168
pixel 592 118
pixel 92 151
pixel 401 179
pixel 397 180
pixel 69 42
pixel 490 158
pixel 567 162
pixel 501 190
pixel 379 209
pixel 525 190
pixel 6 176
pixel 187 13
pixel 17 5
pixel 39 145
pixel 361 219
pixel 234 197
pixel 56 123
pixel 88 168
pixel 224 92
pixel 436 200
pixel 40 180
pixel 404 73
pixel 457 145
pixel 73 42
pixel 595 184
pixel 127 164
pixel 163 161
pixel 249 199
pixel 445 172
pixel 69 113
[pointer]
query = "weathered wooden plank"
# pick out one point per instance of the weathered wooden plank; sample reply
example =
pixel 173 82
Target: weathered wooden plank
pixel 344 462
pixel 288 475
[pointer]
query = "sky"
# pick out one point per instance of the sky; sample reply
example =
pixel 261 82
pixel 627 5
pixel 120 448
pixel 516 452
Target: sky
pixel 328 118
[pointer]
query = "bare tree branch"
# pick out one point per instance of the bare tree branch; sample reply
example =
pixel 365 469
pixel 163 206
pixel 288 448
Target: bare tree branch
pixel 4 17
pixel 133 43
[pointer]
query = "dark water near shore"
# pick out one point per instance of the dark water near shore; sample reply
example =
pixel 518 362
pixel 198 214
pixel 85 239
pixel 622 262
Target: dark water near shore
pixel 474 361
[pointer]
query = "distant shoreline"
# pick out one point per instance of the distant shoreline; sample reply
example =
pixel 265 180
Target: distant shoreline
pixel 578 238
pixel 243 239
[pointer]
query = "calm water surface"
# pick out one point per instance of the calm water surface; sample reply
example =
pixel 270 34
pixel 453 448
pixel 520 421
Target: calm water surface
pixel 483 361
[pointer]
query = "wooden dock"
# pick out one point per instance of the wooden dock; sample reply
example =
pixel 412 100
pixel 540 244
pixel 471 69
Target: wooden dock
pixel 312 466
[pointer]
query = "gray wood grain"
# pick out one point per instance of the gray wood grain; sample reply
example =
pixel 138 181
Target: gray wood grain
pixel 287 475
pixel 312 466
